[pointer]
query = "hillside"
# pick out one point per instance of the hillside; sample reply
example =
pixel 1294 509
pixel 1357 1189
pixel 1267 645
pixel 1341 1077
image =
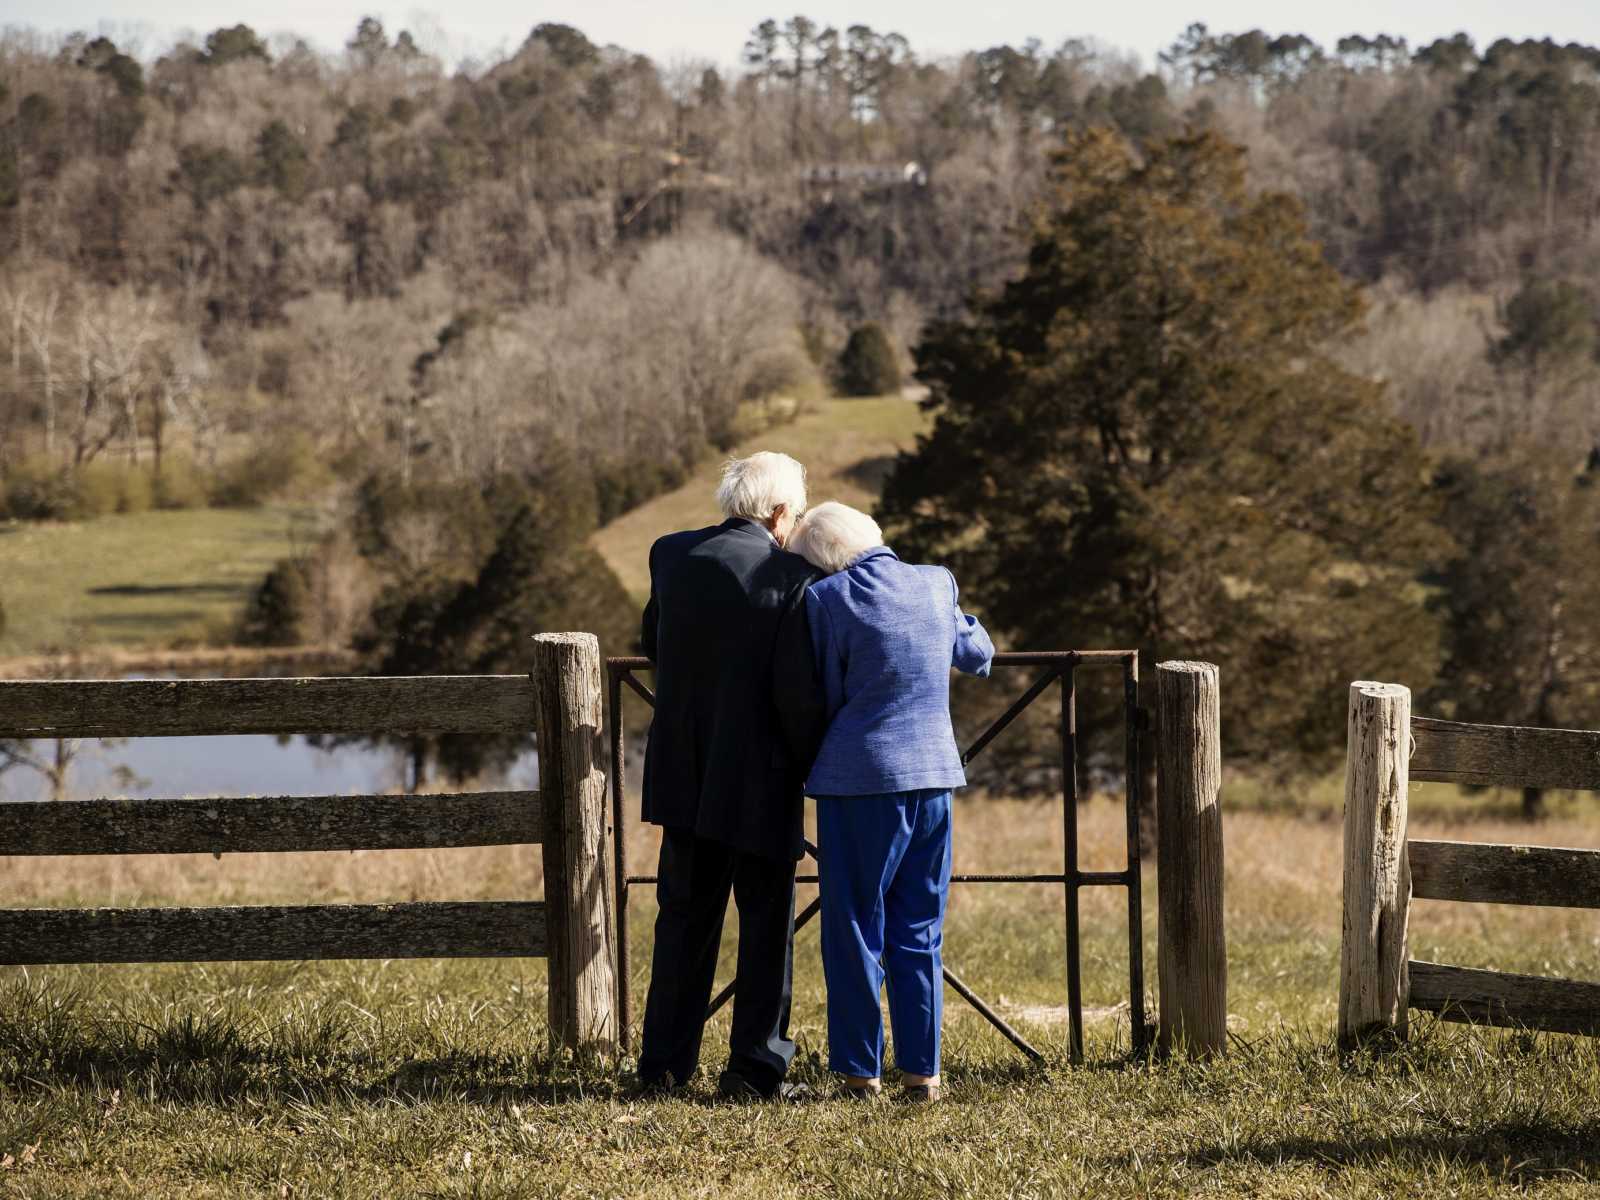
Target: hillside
pixel 847 447
pixel 153 578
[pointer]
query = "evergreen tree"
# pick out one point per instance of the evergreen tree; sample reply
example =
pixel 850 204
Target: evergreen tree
pixel 1143 442
pixel 867 366
pixel 540 575
pixel 282 160
pixel 234 44
pixel 1522 615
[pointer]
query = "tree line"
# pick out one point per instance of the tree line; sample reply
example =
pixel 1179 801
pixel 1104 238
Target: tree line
pixel 242 268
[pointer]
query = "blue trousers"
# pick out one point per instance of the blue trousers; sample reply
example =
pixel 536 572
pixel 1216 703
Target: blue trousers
pixel 885 876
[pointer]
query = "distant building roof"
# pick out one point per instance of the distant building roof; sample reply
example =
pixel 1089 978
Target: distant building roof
pixel 912 173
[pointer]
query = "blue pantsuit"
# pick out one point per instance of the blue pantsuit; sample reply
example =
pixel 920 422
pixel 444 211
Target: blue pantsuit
pixel 885 877
pixel 885 635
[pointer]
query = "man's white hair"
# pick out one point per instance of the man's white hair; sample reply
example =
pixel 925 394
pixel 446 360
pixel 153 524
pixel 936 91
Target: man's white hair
pixel 833 536
pixel 756 487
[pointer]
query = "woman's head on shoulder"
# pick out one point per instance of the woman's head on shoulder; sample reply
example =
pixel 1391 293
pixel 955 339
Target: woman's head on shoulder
pixel 833 537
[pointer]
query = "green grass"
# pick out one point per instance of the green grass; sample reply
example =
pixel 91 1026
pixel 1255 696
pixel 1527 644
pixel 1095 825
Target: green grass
pixel 846 445
pixel 432 1078
pixel 153 578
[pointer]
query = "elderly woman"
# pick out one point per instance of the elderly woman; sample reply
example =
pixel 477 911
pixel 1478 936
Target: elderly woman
pixel 885 634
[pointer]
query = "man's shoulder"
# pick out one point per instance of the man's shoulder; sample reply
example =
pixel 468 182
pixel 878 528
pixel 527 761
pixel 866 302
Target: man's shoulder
pixel 796 569
pixel 683 540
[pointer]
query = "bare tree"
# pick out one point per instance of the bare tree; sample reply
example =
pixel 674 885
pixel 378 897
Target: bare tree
pixel 40 324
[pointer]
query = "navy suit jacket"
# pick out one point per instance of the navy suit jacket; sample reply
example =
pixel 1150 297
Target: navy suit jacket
pixel 738 710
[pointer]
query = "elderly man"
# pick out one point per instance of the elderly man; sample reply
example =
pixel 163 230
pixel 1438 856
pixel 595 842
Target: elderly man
pixel 736 712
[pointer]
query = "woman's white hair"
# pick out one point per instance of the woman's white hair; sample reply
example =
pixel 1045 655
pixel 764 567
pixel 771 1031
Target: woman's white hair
pixel 833 536
pixel 756 487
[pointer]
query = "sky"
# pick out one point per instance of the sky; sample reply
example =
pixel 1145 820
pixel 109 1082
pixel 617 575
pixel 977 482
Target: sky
pixel 675 30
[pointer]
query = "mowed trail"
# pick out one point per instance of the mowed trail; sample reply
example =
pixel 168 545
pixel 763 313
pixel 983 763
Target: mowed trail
pixel 847 446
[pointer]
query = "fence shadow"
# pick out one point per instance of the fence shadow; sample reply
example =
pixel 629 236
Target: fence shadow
pixel 1516 1152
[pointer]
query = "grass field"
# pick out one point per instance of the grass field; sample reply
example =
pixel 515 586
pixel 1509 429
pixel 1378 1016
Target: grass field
pixel 153 578
pixel 431 1078
pixel 178 578
pixel 847 446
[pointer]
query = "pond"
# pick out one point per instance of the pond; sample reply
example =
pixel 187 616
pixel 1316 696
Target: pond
pixel 228 765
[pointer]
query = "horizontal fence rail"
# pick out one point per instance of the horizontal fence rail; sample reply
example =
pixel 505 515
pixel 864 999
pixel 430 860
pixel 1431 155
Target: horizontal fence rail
pixel 1494 873
pixel 466 929
pixel 1474 996
pixel 1380 766
pixel 187 707
pixel 559 702
pixel 1513 756
pixel 273 823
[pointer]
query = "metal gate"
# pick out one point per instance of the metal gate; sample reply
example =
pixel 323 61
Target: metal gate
pixel 1058 666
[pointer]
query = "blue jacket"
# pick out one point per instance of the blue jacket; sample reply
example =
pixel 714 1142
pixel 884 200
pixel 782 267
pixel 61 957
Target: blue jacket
pixel 886 634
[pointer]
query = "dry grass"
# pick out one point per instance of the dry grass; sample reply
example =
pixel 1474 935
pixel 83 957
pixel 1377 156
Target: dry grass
pixel 430 1078
pixel 1283 879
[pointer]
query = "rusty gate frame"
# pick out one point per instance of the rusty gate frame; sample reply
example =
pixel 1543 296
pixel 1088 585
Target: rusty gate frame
pixel 1058 665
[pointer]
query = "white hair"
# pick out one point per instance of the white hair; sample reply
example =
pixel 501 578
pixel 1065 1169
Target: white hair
pixel 833 536
pixel 756 487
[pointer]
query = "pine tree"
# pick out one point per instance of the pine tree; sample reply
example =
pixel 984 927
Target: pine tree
pixel 867 365
pixel 1143 442
pixel 1522 615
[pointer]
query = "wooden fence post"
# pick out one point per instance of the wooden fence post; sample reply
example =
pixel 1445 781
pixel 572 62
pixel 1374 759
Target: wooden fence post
pixel 1373 981
pixel 577 871
pixel 1192 951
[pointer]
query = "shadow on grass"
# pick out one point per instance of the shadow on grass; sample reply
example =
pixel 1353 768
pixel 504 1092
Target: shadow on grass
pixel 235 1071
pixel 48 1044
pixel 870 472
pixel 1517 1152
pixel 218 1066
pixel 168 589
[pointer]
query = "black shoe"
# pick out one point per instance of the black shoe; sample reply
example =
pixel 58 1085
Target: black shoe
pixel 733 1086
pixel 656 1087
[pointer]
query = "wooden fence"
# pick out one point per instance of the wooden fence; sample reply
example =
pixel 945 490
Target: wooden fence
pixel 1384 870
pixel 575 925
pixel 572 926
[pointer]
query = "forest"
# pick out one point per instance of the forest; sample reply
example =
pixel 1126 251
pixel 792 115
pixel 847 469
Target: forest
pixel 479 312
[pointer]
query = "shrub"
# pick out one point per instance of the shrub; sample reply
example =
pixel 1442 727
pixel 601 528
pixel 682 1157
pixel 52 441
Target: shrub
pixel 278 608
pixel 96 490
pixel 868 366
pixel 135 490
pixel 278 467
pixel 39 491
pixel 180 484
pixel 621 486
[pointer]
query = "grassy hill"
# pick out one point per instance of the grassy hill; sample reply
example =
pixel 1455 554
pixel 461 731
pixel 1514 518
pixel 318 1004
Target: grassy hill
pixel 847 446
pixel 153 578
pixel 168 578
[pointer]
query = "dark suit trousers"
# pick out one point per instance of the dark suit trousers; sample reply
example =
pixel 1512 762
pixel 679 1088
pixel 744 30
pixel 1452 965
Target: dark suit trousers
pixel 696 876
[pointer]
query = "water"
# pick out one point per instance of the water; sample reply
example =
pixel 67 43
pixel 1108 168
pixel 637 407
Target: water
pixel 229 765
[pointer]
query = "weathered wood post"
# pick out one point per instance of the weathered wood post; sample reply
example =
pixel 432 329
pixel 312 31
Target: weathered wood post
pixel 1373 983
pixel 577 872
pixel 1192 951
